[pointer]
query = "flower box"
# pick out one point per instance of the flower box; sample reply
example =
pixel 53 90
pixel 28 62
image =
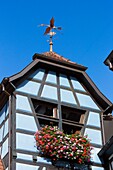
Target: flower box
pixel 63 149
pixel 70 165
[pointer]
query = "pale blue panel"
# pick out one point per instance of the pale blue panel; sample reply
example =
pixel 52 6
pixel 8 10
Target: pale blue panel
pixel 64 81
pixel 25 122
pixel 1 133
pixel 6 128
pixel 25 142
pixel 51 77
pixel 86 101
pixel 29 87
pixel 24 156
pixel 94 156
pixel 38 74
pixel 22 103
pixel 49 92
pixel 112 165
pixel 43 160
pixel 2 117
pixel 67 96
pixel 76 84
pixel 94 119
pixel 97 168
pixel 94 135
pixel 4 148
pixel 3 113
pixel 20 166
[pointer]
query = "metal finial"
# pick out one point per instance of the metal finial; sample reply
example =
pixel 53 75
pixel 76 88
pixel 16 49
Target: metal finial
pixel 49 31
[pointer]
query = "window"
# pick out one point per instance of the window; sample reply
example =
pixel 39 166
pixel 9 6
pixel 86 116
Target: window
pixel 43 122
pixel 72 119
pixel 72 114
pixel 45 109
pixel 70 128
pixel 48 114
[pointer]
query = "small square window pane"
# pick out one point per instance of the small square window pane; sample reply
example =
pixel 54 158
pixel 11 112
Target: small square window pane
pixel 76 84
pixel 24 156
pixel 29 87
pixel 94 135
pixel 21 166
pixel 44 160
pixel 86 101
pixel 94 155
pixel 25 122
pixel 1 133
pixel 4 148
pixel 94 119
pixel 51 77
pixel 22 103
pixel 97 168
pixel 25 142
pixel 49 92
pixel 6 127
pixel 64 81
pixel 3 113
pixel 38 74
pixel 67 96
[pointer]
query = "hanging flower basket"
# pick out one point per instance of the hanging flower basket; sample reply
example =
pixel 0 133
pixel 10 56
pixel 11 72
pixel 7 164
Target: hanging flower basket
pixel 53 143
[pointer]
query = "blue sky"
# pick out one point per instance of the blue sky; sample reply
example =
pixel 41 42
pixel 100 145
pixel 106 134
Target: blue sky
pixel 87 35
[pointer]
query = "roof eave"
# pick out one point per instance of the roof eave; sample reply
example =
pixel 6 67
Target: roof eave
pixel 70 64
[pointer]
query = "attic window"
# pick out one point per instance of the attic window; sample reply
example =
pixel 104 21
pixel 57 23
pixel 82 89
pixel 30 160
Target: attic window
pixel 72 119
pixel 45 109
pixel 71 128
pixel 43 122
pixel 72 114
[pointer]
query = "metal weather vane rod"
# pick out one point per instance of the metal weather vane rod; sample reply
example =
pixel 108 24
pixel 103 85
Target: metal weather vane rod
pixel 49 31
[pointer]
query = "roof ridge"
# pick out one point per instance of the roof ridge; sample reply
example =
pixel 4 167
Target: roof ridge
pixel 57 56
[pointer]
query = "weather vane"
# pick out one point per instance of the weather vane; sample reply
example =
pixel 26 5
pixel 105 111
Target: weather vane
pixel 49 31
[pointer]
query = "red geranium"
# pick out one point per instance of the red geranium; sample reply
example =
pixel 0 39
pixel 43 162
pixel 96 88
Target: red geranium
pixel 53 143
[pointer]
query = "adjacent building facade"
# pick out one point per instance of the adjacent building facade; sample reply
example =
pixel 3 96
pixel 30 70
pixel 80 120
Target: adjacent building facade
pixel 106 153
pixel 54 91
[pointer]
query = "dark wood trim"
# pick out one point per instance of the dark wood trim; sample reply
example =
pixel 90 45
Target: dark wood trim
pixel 13 126
pixel 100 99
pixel 42 84
pixel 70 64
pixel 74 93
pixel 27 132
pixel 33 113
pixel 24 71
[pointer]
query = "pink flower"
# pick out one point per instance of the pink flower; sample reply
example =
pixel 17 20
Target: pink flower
pixel 53 143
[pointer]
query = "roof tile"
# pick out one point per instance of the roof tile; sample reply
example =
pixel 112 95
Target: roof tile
pixel 57 56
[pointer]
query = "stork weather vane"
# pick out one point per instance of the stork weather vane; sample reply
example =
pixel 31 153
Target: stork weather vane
pixel 49 31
